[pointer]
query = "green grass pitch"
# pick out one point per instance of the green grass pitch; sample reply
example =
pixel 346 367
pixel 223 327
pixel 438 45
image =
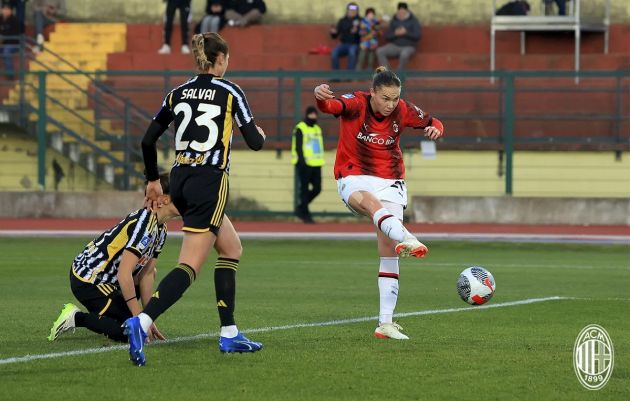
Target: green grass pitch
pixel 521 352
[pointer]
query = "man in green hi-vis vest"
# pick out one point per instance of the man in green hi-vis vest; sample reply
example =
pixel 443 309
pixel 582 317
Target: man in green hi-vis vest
pixel 307 154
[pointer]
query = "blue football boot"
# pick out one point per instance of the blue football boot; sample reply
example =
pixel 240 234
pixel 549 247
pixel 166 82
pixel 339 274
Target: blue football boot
pixel 133 330
pixel 239 344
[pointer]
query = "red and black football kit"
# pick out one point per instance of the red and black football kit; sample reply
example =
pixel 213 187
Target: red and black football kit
pixel 369 143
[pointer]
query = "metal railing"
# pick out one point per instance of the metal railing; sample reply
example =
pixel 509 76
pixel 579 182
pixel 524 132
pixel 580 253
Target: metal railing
pixel 108 106
pixel 542 110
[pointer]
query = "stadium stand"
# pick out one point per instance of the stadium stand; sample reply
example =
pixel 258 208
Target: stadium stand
pixel 444 47
pixel 84 106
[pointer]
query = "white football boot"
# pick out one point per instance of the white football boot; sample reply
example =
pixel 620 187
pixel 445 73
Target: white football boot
pixel 411 247
pixel 390 330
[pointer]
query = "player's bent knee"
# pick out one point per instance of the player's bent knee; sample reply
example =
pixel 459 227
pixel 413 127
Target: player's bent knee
pixel 233 250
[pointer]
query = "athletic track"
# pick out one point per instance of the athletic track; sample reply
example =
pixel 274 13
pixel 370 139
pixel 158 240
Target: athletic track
pixel 351 230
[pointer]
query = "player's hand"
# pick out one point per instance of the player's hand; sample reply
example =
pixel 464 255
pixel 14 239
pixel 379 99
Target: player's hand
pixel 323 92
pixel 152 195
pixel 154 334
pixel 432 133
pixel 261 132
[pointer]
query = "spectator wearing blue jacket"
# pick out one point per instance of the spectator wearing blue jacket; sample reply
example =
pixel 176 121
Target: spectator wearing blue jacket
pixel 347 30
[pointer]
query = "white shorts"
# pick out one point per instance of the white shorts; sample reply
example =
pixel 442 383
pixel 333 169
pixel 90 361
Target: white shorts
pixel 393 193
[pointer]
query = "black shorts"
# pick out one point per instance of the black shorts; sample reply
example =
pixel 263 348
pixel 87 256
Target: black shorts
pixel 101 299
pixel 200 195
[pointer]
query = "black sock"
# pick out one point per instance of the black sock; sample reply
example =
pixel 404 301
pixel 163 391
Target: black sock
pixel 225 286
pixel 170 289
pixel 100 324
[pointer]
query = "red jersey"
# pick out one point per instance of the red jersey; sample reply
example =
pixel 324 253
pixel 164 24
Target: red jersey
pixel 369 144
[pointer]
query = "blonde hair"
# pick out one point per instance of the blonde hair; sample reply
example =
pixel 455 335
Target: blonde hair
pixel 206 47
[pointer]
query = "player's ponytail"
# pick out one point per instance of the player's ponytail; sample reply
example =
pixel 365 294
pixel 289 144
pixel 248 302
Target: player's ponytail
pixel 206 47
pixel 384 77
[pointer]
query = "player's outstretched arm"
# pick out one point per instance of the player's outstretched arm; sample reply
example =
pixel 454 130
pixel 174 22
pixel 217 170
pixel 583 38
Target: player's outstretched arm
pixel 323 92
pixel 435 130
pixel 326 101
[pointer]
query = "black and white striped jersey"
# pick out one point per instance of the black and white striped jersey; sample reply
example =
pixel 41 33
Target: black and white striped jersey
pixel 139 233
pixel 204 109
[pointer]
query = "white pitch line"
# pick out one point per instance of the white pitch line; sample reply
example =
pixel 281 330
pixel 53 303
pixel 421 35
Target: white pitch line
pixel 479 237
pixel 29 358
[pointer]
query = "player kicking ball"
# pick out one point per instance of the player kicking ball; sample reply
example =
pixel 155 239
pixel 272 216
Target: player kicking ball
pixel 370 174
pixel 116 271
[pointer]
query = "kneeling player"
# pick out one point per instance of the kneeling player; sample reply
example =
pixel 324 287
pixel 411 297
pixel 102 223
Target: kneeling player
pixel 108 274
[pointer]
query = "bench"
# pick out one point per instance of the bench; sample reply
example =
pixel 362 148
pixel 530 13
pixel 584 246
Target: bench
pixel 573 22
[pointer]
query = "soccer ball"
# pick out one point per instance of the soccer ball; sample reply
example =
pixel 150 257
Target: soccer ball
pixel 476 285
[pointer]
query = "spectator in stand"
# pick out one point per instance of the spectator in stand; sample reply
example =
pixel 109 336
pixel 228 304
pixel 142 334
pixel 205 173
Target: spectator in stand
pixel 184 14
pixel 245 12
pixel 368 30
pixel 403 35
pixel 516 7
pixel 19 7
pixel 47 12
pixel 9 26
pixel 347 30
pixel 562 7
pixel 214 20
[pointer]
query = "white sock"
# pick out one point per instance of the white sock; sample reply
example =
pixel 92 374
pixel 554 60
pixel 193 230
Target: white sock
pixel 145 321
pixel 390 225
pixel 388 288
pixel 229 331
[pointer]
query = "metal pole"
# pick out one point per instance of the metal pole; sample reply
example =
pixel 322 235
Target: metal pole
pixel 297 99
pixel 280 106
pixel 578 34
pixel 127 145
pixel 577 53
pixel 607 26
pixel 297 112
pixel 41 130
pixel 22 72
pixel 617 119
pixel 508 130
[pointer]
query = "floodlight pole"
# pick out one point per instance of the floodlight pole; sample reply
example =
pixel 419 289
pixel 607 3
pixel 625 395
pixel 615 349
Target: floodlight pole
pixel 41 130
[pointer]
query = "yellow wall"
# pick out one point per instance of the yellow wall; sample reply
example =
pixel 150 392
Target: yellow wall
pixel 574 174
pixel 269 180
pixel 326 11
